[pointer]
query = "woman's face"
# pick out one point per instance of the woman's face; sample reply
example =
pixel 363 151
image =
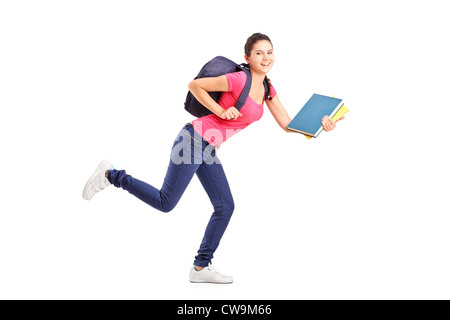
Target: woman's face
pixel 261 57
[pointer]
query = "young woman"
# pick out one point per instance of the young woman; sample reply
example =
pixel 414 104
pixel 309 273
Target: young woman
pixel 194 151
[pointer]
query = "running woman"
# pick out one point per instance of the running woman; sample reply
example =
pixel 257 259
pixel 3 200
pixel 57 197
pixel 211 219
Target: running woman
pixel 195 147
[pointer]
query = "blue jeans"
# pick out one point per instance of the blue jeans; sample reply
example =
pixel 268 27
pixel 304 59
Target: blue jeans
pixel 190 155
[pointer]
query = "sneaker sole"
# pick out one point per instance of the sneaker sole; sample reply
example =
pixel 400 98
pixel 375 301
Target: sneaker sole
pixel 201 281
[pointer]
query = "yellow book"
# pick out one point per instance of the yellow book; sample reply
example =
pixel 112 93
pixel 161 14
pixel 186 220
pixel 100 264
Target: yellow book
pixel 343 110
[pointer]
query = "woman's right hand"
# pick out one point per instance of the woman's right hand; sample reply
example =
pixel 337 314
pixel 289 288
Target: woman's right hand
pixel 230 114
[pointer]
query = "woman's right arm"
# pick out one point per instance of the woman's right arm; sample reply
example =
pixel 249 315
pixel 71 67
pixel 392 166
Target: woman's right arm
pixel 200 88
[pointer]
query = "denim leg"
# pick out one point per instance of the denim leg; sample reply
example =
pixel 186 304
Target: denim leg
pixel 175 183
pixel 186 158
pixel 215 183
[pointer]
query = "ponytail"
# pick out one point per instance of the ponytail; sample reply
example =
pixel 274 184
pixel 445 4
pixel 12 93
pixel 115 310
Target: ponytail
pixel 269 85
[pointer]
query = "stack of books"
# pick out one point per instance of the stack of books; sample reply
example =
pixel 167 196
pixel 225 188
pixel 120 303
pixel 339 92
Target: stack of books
pixel 308 120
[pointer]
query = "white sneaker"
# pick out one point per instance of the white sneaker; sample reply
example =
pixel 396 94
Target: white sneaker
pixel 208 274
pixel 97 182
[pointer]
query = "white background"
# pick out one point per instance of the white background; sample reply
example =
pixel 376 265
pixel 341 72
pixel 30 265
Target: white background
pixel 359 213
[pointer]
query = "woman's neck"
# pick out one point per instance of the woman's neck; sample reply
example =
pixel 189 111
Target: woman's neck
pixel 257 77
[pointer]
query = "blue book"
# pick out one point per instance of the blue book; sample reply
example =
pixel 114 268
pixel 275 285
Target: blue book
pixel 309 119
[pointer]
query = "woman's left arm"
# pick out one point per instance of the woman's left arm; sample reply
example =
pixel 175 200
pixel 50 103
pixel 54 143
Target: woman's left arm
pixel 279 113
pixel 283 119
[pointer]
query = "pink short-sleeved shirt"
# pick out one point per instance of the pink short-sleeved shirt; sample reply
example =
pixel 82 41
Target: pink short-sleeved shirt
pixel 216 130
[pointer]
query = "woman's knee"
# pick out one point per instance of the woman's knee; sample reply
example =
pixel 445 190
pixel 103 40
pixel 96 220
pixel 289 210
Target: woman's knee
pixel 168 201
pixel 228 208
pixel 167 206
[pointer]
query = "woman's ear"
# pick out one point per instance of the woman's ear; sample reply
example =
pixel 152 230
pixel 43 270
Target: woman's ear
pixel 246 58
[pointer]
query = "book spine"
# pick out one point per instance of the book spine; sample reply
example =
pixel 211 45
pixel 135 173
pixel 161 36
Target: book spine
pixel 302 132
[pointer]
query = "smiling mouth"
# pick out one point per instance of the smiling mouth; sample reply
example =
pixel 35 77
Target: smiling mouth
pixel 265 64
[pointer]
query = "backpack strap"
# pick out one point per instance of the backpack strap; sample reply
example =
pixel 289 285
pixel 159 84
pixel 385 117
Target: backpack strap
pixel 248 84
pixel 243 97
